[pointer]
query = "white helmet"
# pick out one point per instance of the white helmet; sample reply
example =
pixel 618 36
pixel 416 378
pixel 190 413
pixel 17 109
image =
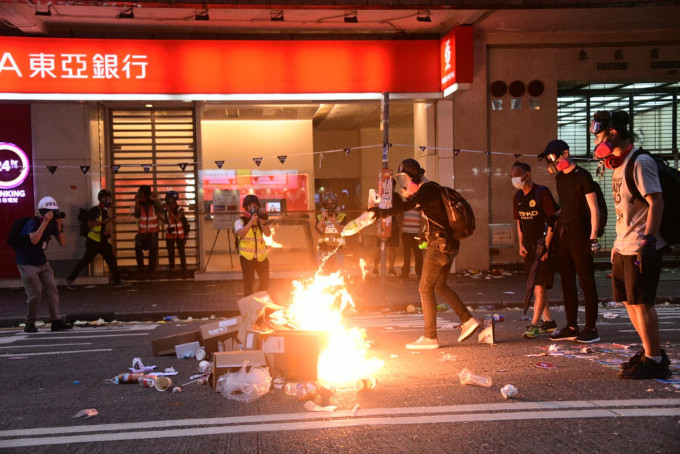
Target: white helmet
pixel 48 203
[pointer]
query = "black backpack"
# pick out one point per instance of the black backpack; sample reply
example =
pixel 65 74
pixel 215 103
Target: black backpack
pixel 83 216
pixel 459 213
pixel 602 206
pixel 14 237
pixel 669 178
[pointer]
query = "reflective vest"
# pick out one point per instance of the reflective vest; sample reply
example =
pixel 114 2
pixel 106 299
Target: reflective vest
pixel 175 229
pixel 148 221
pixel 331 237
pixel 252 245
pixel 95 232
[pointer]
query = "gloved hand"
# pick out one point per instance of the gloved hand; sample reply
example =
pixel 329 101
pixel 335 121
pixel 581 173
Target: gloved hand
pixel 647 254
pixel 378 212
pixel 594 246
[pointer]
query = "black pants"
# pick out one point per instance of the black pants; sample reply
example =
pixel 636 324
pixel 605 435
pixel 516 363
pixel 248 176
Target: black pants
pixel 248 268
pixel 170 243
pixel 146 241
pixel 574 259
pixel 409 243
pixel 92 248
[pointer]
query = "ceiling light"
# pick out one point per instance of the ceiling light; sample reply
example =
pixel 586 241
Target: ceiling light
pixel 351 18
pixel 126 14
pixel 423 16
pixel 277 16
pixel 48 12
pixel 203 15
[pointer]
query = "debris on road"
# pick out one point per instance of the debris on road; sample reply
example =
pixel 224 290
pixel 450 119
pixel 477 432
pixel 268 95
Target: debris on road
pixel 508 391
pixel 469 378
pixel 87 413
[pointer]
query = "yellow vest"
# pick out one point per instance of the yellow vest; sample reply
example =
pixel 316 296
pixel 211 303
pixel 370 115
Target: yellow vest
pixel 253 245
pixel 95 232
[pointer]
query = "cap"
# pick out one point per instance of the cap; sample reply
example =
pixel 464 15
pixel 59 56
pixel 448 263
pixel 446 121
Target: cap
pixel 412 168
pixel 556 147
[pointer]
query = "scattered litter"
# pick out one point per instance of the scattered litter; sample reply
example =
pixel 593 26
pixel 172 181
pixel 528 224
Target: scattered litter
pixel 394 356
pixel 125 378
pixel 138 366
pixel 245 386
pixel 649 390
pixel 87 413
pixel 498 318
pixel 610 315
pixel 469 378
pixel 446 357
pixel 411 309
pixel 415 353
pixel 508 391
pixel 587 350
pixel 365 384
pixel 545 366
pixel 170 370
pixel 523 318
pixel 163 384
pixel 449 326
pixel 553 348
pixel 355 410
pixel 176 389
pixel 279 383
pixel 312 406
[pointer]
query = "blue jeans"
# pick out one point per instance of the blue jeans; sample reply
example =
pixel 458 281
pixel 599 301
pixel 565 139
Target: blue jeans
pixel 436 268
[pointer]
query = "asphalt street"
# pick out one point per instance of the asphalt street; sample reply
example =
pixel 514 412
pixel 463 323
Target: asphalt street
pixel 569 400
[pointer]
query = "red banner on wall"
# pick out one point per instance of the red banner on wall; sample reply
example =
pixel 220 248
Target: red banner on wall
pixel 16 187
pixel 100 66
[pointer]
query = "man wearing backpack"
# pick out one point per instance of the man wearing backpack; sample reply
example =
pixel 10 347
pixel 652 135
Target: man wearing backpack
pixel 442 247
pixel 637 253
pixel 576 240
pixel 36 273
pixel 98 241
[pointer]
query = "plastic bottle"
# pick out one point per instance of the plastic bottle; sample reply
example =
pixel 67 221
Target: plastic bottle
pixel 468 378
pixel 289 388
pixel 306 391
pixel 355 225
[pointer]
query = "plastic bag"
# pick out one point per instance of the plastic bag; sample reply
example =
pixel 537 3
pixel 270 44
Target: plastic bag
pixel 245 385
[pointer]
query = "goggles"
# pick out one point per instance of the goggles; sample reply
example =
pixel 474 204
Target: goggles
pixel 403 180
pixel 597 126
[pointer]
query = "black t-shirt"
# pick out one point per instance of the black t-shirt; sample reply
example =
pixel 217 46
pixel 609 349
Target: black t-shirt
pixel 572 188
pixel 533 211
pixel 427 199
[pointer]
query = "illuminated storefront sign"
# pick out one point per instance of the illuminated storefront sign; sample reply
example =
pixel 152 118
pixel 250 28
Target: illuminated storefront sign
pixel 14 168
pixel 456 59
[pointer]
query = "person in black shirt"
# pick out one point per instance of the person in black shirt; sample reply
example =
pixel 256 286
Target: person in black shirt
pixel 98 241
pixel 534 208
pixel 576 230
pixel 441 249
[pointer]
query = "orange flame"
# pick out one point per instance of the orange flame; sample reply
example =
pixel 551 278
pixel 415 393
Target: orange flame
pixel 318 305
pixel 269 240
pixel 362 264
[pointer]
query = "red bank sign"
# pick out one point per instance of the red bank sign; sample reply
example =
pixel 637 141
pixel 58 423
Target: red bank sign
pixel 456 59
pixel 120 67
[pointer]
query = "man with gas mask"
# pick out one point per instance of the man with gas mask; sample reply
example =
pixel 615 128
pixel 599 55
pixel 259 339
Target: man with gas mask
pixel 637 252
pixel 330 223
pixel 442 247
pixel 249 229
pixel 36 273
pixel 99 240
pixel 534 209
pixel 576 240
pixel 149 213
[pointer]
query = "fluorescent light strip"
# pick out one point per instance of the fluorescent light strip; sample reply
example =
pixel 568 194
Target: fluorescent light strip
pixel 212 97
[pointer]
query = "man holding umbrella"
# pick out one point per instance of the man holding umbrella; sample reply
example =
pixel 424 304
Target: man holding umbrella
pixel 534 208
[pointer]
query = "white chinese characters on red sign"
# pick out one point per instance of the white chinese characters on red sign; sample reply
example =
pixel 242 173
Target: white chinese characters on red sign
pixel 78 66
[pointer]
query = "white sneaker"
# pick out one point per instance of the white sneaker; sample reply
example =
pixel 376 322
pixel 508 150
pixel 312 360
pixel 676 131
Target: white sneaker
pixel 423 343
pixel 467 329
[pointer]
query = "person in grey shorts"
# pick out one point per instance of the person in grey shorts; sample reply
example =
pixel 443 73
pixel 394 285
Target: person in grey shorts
pixel 35 270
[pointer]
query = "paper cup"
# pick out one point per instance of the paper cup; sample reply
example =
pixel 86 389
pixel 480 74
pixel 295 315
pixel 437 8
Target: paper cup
pixel 163 384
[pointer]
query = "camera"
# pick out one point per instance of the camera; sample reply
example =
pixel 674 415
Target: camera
pixel 59 215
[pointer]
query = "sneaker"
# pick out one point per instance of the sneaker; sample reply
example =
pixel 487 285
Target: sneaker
pixel 531 331
pixel 60 325
pixel 468 329
pixel 30 328
pixel 423 343
pixel 121 284
pixel 392 271
pixel 647 369
pixel 588 336
pixel 565 333
pixel 634 360
pixel 547 327
pixel 70 285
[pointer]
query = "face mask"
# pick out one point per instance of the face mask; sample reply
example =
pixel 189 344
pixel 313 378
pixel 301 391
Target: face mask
pixel 411 189
pixel 603 149
pixel 106 203
pixel 554 167
pixel 517 182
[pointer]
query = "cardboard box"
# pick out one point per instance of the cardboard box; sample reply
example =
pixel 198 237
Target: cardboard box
pixel 226 343
pixel 293 354
pixel 224 362
pixel 255 310
pixel 188 350
pixel 252 340
pixel 221 328
pixel 165 346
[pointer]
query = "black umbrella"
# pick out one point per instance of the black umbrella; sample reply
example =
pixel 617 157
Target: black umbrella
pixel 533 270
